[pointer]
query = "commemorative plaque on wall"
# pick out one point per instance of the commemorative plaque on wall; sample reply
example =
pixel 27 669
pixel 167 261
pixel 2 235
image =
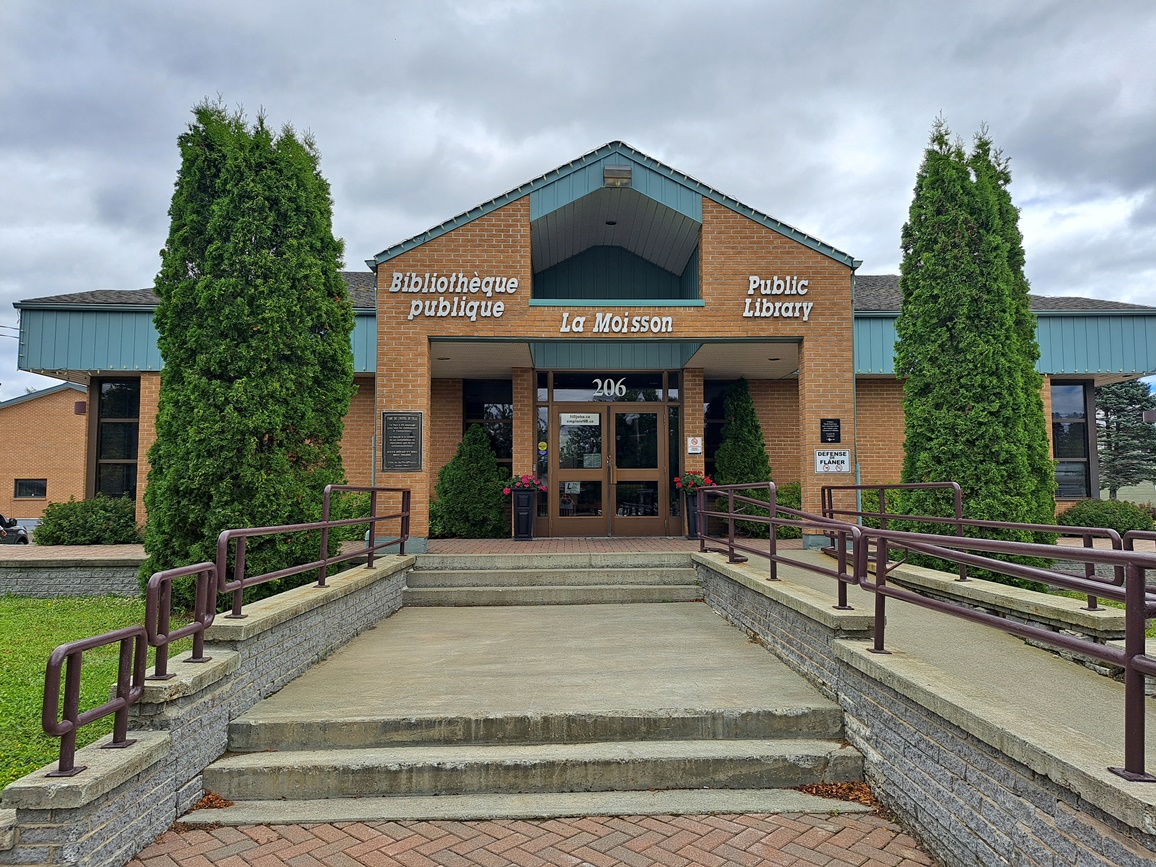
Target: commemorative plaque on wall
pixel 401 441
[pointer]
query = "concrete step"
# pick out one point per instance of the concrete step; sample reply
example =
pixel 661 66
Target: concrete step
pixel 601 594
pixel 621 560
pixel 455 770
pixel 549 805
pixel 253 732
pixel 550 577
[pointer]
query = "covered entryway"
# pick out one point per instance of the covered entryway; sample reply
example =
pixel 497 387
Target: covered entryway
pixel 607 451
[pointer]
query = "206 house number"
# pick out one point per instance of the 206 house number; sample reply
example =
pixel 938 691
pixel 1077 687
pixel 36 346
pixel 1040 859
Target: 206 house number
pixel 610 388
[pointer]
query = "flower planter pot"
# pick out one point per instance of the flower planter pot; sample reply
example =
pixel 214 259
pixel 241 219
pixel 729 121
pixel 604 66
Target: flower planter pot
pixel 525 501
pixel 692 514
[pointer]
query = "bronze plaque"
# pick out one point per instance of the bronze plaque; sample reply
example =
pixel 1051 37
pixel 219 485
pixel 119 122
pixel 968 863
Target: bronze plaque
pixel 401 441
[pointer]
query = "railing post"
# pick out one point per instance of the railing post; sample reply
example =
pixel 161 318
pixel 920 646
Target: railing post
pixel 700 507
pixel 1135 603
pixel 774 501
pixel 731 527
pixel 66 766
pixel 206 597
pixel 957 494
pixel 238 576
pixel 880 599
pixel 1090 573
pixel 130 648
pixel 324 556
pixel 163 615
pixel 842 543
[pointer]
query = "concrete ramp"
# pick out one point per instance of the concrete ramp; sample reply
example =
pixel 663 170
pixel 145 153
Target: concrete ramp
pixel 540 710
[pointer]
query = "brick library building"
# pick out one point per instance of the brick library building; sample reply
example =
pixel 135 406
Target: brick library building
pixel 591 321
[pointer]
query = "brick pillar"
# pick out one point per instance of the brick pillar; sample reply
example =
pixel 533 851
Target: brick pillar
pixel 692 418
pixel 525 422
pixel 403 385
pixel 150 390
pixel 826 390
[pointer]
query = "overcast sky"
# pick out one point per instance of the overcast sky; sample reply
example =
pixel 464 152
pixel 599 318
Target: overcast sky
pixel 816 113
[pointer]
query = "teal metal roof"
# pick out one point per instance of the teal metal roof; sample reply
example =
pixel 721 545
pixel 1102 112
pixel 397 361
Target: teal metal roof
pixel 568 182
pixel 112 338
pixel 1107 343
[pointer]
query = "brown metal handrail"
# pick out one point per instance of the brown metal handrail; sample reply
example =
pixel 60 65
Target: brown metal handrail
pixel 158 612
pixel 129 687
pixel 840 531
pixel 1086 534
pixel 321 564
pixel 1140 604
pixel 157 632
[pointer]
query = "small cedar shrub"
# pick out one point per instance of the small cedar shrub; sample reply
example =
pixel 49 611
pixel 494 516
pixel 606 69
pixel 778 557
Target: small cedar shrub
pixel 1118 515
pixel 99 521
pixel 470 503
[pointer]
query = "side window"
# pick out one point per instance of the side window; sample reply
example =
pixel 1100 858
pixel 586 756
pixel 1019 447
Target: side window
pixel 31 489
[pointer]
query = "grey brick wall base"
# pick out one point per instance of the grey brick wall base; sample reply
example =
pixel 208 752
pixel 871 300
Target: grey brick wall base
pixel 128 797
pixel 64 578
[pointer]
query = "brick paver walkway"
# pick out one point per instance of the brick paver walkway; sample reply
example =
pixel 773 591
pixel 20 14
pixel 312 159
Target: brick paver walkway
pixel 856 839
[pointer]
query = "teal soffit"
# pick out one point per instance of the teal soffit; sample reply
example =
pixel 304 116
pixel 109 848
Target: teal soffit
pixel 613 354
pixel 670 187
pixel 1071 344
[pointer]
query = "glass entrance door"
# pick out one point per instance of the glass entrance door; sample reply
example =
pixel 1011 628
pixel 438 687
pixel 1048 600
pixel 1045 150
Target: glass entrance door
pixel 635 479
pixel 609 474
pixel 581 486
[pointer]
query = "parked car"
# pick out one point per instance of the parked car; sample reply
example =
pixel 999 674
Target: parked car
pixel 10 534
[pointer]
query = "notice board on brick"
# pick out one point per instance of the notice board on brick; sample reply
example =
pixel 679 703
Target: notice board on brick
pixel 401 441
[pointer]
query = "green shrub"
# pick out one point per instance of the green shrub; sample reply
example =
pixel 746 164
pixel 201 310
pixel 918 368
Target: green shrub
pixel 1118 515
pixel 742 456
pixel 470 503
pixel 344 505
pixel 99 521
pixel 791 496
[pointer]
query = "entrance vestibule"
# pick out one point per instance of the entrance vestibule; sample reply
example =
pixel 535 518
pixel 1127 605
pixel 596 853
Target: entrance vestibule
pixel 610 453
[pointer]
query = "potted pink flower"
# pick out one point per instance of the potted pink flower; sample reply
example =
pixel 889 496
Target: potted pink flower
pixel 525 490
pixel 692 483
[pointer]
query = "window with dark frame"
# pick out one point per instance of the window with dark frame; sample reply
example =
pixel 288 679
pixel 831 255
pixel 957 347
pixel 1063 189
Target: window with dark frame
pixel 714 393
pixel 1071 442
pixel 490 403
pixel 117 437
pixel 31 489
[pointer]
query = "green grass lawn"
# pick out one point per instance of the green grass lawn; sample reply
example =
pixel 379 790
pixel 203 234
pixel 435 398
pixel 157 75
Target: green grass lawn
pixel 30 629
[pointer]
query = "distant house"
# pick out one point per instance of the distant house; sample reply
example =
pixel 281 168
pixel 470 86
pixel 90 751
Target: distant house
pixel 43 449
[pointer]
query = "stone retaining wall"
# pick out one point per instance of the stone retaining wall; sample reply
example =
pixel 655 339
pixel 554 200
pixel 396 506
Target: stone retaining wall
pixel 128 797
pixel 975 793
pixel 69 578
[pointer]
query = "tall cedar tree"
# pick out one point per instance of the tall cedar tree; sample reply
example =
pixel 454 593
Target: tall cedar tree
pixel 966 346
pixel 1127 442
pixel 742 453
pixel 254 325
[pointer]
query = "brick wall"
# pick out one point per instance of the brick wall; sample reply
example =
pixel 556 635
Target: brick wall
pixel 734 247
pixel 43 438
pixel 880 429
pixel 357 441
pixel 445 426
pixel 777 406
